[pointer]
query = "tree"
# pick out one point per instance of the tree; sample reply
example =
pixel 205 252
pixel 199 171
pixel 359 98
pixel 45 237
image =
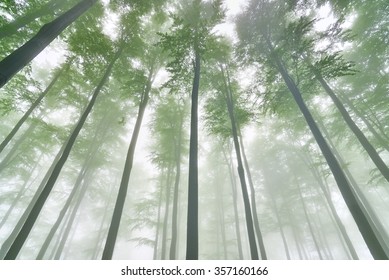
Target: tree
pixel 191 32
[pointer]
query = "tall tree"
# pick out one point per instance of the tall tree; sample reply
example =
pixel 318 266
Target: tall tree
pixel 191 30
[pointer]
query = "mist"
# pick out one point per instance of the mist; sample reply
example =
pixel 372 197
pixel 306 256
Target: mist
pixel 196 129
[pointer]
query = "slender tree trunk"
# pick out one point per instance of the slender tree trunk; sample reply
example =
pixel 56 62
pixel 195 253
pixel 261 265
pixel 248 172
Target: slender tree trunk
pixel 155 253
pixel 296 237
pixel 117 212
pixel 166 214
pixel 375 157
pixel 14 62
pixel 220 210
pixel 309 221
pixel 32 107
pixel 25 230
pixel 330 203
pixel 383 142
pixel 173 244
pixel 249 219
pixel 363 203
pixel 279 222
pixel 345 188
pixel 12 28
pixel 192 234
pixel 102 230
pixel 252 198
pixel 72 217
pixel 235 203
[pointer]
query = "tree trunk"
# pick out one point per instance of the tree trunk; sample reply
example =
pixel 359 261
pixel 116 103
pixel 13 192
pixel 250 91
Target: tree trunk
pixel 235 203
pixel 22 21
pixel 117 212
pixel 334 213
pixel 308 221
pixel 158 224
pixel 173 244
pixel 72 217
pixel 246 201
pixel 383 142
pixel 354 128
pixel 166 214
pixel 252 198
pixel 192 234
pixel 345 188
pixel 14 62
pixel 33 106
pixel 25 230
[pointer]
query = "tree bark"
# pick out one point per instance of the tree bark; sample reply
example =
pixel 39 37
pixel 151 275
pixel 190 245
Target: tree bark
pixel 192 235
pixel 14 62
pixel 235 203
pixel 382 167
pixel 246 201
pixel 166 214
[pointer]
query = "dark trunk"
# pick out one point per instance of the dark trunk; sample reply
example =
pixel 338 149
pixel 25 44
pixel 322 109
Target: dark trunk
pixel 192 235
pixel 355 129
pixel 121 197
pixel 368 211
pixel 383 142
pixel 345 188
pixel 25 230
pixel 246 201
pixel 14 62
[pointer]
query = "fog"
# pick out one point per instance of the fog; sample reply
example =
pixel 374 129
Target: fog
pixel 194 130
